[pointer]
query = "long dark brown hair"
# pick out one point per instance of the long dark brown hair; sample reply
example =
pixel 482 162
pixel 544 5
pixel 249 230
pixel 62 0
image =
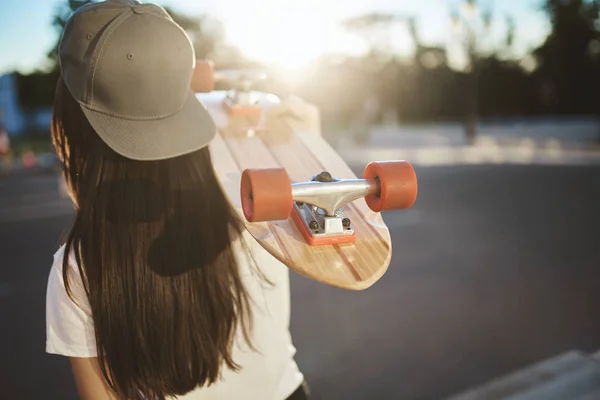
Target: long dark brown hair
pixel 152 241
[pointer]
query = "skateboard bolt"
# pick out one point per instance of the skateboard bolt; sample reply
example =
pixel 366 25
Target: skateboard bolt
pixel 324 177
pixel 346 223
pixel 314 225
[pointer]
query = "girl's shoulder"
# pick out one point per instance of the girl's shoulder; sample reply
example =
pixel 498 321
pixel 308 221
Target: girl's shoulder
pixel 56 283
pixel 58 264
pixel 69 324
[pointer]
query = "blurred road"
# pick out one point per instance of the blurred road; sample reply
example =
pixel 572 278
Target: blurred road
pixel 519 142
pixel 567 133
pixel 494 268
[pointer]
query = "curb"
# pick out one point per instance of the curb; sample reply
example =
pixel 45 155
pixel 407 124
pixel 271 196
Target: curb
pixel 446 156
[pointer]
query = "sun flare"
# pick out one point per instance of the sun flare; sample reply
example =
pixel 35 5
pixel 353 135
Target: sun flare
pixel 288 36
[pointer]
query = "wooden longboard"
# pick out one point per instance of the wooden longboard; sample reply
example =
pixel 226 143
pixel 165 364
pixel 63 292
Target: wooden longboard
pixel 263 141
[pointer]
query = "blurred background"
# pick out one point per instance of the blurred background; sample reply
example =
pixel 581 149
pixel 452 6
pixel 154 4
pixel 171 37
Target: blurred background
pixel 495 282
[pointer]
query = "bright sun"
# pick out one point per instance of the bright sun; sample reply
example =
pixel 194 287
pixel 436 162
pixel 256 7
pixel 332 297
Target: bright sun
pixel 289 35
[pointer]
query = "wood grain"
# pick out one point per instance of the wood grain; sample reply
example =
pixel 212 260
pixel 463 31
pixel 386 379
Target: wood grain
pixel 350 266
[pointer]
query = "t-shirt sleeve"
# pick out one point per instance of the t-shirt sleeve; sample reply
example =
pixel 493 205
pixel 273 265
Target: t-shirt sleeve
pixel 69 324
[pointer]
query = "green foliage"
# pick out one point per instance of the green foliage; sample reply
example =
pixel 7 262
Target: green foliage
pixel 569 62
pixel 36 89
pixel 38 144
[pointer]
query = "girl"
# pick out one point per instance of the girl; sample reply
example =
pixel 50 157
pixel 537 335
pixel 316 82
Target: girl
pixel 155 292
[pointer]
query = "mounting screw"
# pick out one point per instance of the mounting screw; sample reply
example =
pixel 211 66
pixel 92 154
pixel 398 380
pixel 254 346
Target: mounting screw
pixel 323 177
pixel 346 223
pixel 314 225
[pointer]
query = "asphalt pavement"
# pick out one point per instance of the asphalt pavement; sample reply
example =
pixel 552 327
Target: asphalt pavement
pixel 494 268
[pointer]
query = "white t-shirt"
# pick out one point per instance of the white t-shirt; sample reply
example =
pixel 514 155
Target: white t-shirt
pixel 269 373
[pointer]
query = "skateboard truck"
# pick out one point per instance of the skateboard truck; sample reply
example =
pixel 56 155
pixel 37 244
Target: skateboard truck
pixel 240 99
pixel 315 206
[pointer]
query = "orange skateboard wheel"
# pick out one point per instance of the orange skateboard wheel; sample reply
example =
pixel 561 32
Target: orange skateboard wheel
pixel 266 194
pixel 398 185
pixel 203 78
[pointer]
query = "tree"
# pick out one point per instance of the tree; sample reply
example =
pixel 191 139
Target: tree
pixel 378 70
pixel 569 59
pixel 375 29
pixel 475 44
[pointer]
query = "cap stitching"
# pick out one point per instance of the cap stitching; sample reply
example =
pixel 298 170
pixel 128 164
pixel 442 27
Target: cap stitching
pixel 180 29
pixel 102 46
pixel 133 117
pixel 185 35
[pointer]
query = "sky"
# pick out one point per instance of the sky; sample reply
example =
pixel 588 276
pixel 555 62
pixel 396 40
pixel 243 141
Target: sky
pixel 285 32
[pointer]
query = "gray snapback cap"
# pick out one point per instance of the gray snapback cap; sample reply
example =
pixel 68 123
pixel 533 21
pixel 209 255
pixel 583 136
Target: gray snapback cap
pixel 129 66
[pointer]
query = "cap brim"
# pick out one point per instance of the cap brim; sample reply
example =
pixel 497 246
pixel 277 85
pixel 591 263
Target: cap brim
pixel 188 130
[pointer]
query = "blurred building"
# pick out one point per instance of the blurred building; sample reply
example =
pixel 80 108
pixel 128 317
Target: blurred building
pixel 17 119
